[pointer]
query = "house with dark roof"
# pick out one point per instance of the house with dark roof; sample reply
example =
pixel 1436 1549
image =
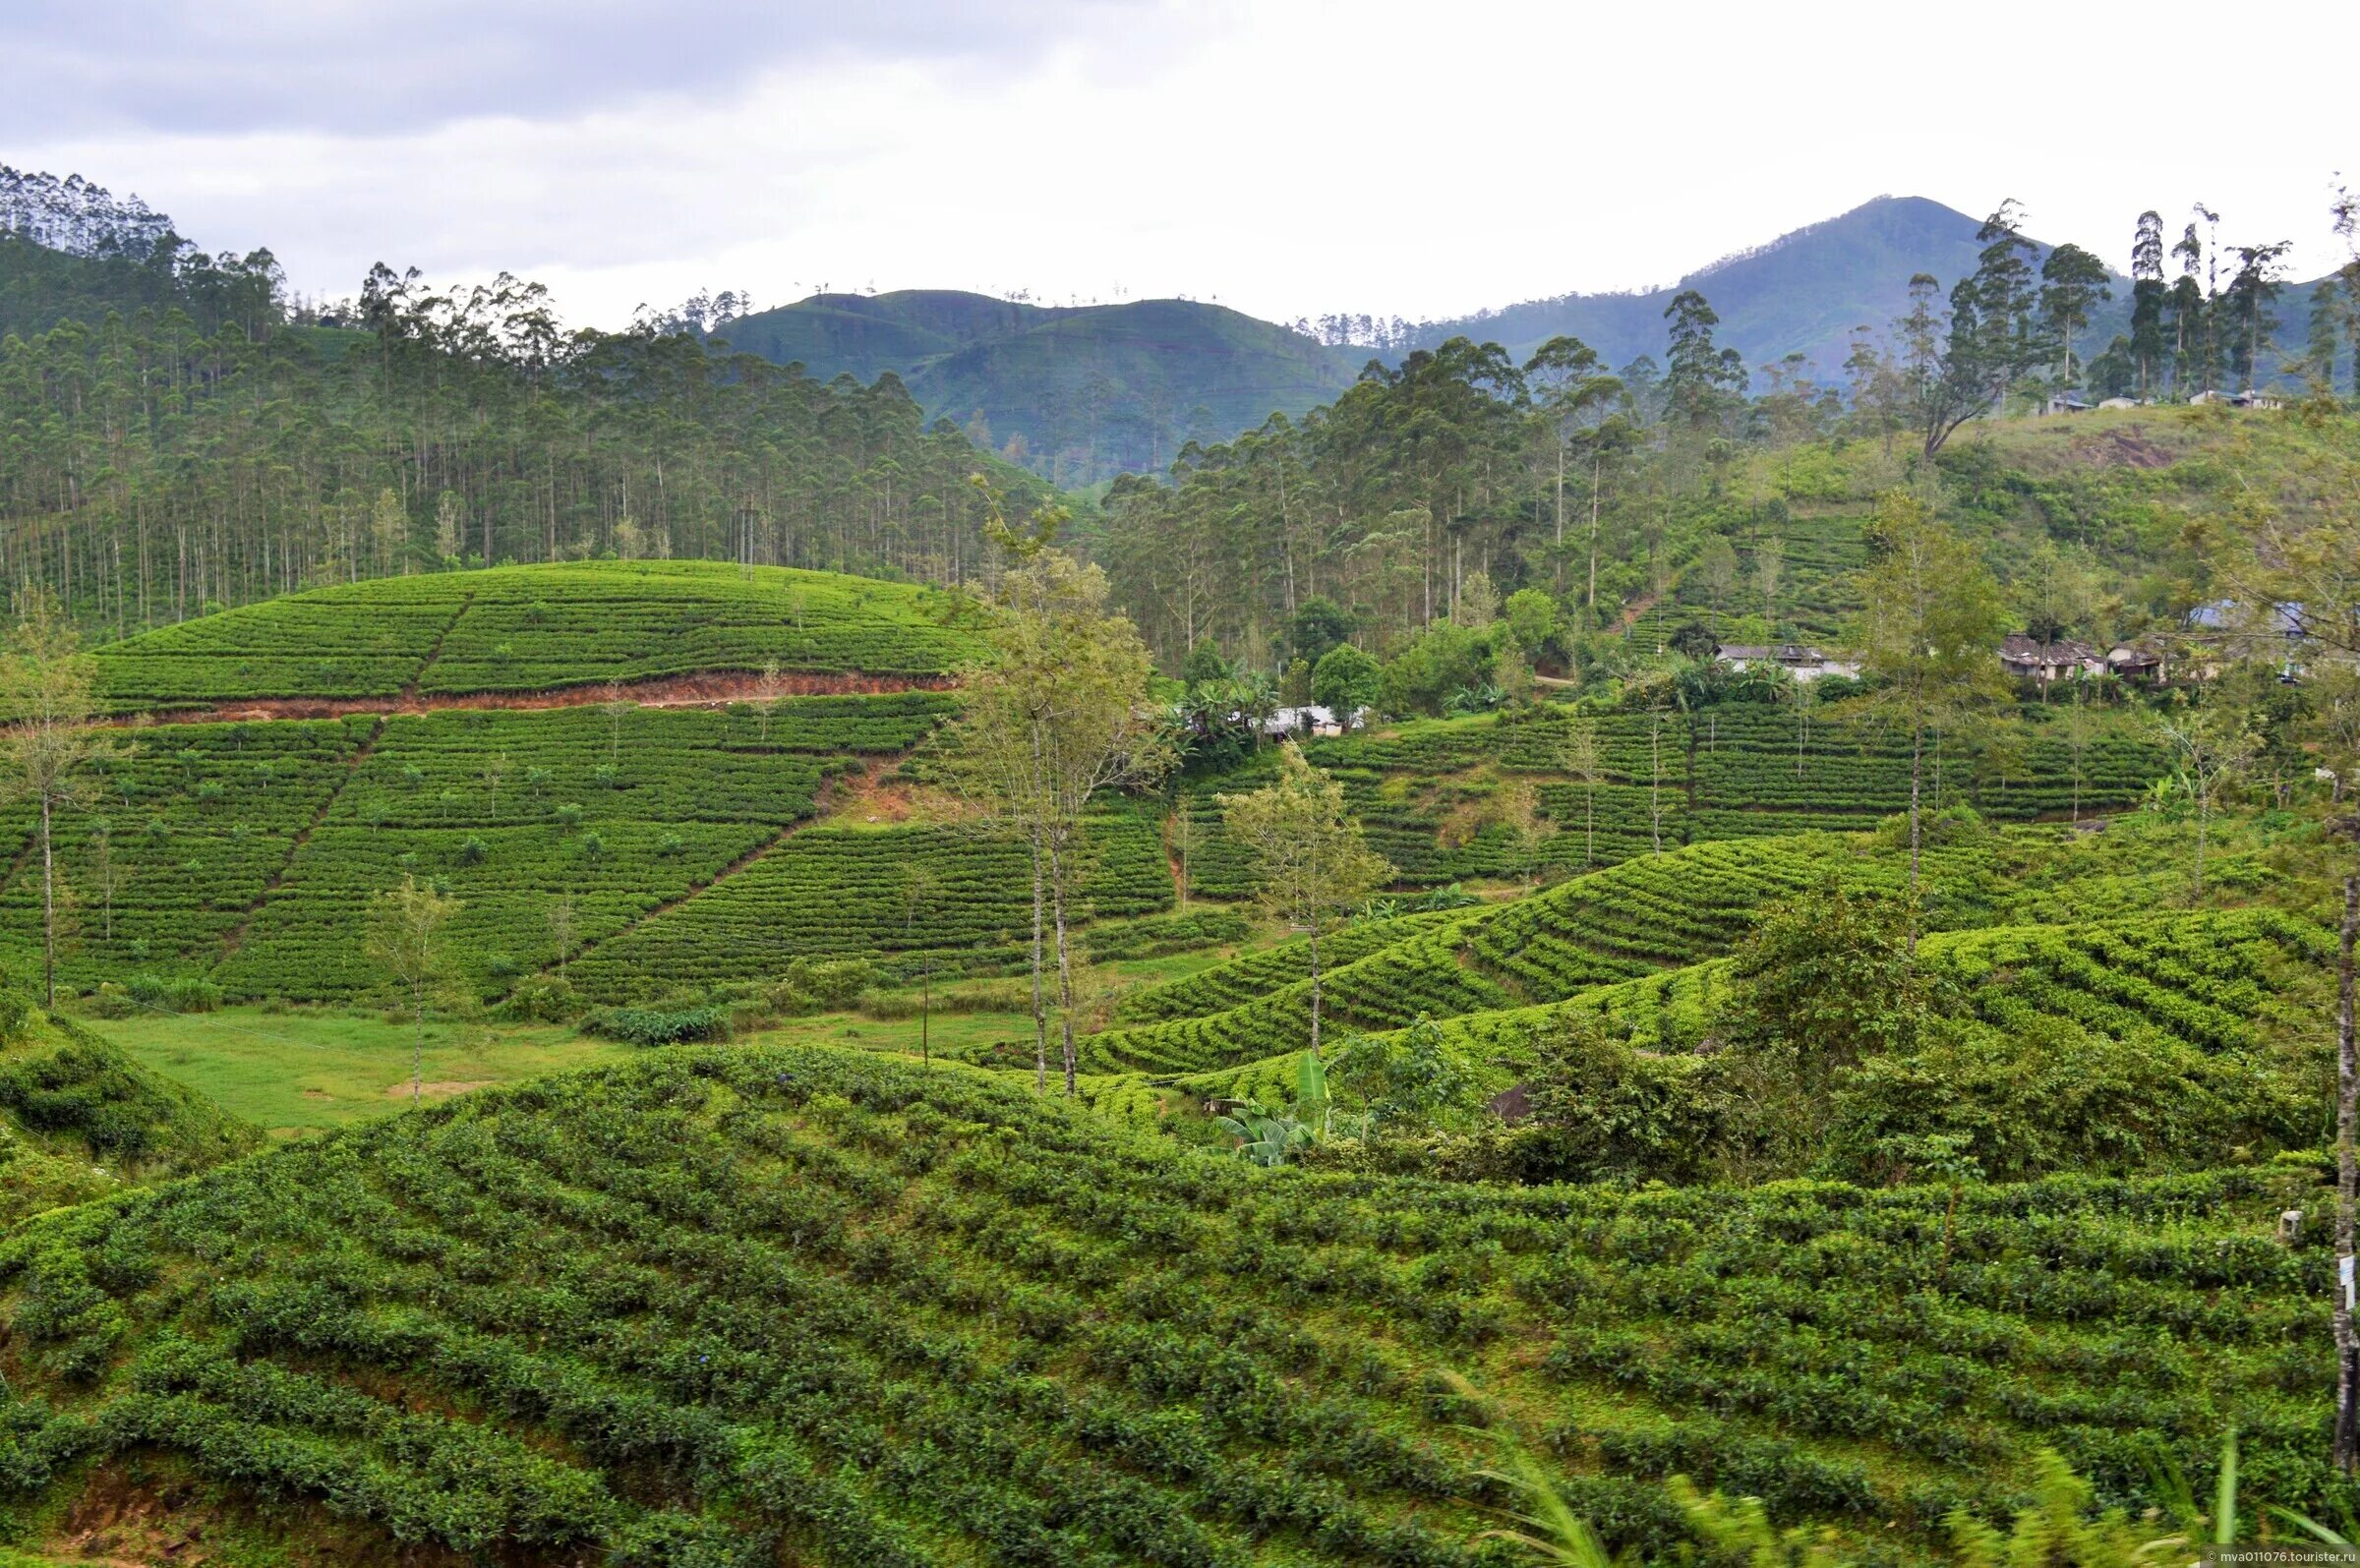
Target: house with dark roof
pixel 2026 658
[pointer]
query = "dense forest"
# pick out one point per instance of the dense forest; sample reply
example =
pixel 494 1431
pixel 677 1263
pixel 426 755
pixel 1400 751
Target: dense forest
pixel 174 434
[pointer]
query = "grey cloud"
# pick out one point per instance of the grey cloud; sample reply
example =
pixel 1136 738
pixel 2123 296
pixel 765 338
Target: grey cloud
pixel 345 67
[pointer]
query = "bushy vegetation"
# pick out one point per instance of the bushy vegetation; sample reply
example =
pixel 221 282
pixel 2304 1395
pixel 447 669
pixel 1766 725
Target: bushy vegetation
pixel 765 1301
pixel 79 1119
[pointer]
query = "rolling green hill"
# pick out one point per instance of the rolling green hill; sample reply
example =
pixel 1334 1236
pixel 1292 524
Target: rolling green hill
pixel 540 628
pixel 1089 391
pixel 726 1306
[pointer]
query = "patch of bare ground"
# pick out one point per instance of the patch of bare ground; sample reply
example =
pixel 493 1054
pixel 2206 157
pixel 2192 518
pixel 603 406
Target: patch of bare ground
pixel 2126 448
pixel 712 690
pixel 137 1513
pixel 437 1088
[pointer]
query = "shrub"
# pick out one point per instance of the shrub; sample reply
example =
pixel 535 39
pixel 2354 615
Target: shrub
pixel 111 1001
pixel 181 995
pixel 659 1025
pixel 540 999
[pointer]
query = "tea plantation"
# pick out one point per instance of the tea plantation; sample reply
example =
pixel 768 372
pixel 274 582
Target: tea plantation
pixel 741 1302
pixel 1437 795
pixel 531 628
pixel 740 1306
pixel 1656 912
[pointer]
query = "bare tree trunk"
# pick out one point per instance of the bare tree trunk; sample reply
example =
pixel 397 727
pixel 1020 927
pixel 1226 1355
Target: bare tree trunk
pixel 1040 1013
pixel 417 1043
pixel 48 911
pixel 2204 833
pixel 2347 1186
pixel 1064 964
pixel 1590 606
pixel 1315 988
pixel 1916 769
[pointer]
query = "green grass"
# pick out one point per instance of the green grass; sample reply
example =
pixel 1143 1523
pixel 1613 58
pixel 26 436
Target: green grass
pixel 299 1072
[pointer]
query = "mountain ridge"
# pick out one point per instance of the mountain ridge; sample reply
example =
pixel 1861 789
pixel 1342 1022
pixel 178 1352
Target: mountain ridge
pixel 1076 393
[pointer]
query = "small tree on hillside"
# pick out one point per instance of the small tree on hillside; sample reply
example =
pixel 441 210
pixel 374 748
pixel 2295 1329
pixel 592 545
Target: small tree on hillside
pixel 2210 751
pixel 1061 713
pixel 1344 681
pixel 405 942
pixel 50 748
pixel 1826 979
pixel 559 918
pixel 1929 637
pixel 766 704
pixel 1312 863
pixel 618 707
pixel 1578 754
pixel 495 772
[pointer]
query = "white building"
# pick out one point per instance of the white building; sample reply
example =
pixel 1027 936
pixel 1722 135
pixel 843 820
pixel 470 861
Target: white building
pixel 1803 663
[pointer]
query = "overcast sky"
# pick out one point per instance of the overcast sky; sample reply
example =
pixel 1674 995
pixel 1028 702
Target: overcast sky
pixel 1286 157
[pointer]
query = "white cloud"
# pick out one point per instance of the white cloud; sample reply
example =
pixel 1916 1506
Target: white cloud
pixel 1283 157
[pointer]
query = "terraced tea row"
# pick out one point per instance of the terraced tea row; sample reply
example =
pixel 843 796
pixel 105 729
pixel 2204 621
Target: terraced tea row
pixel 844 1310
pixel 2217 984
pixel 1440 798
pixel 533 628
pixel 1647 914
pixel 248 852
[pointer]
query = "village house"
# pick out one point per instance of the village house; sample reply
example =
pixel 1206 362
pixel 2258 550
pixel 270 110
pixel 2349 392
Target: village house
pixel 2140 662
pixel 1803 663
pixel 2028 658
pixel 1310 719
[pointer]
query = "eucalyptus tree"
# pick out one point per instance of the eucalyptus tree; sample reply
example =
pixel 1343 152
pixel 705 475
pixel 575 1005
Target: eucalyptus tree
pixel 2147 294
pixel 2071 283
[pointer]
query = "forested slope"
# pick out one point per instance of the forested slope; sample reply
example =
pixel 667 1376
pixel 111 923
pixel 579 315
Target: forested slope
pixel 173 439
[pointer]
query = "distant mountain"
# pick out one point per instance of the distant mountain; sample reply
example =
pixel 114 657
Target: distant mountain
pixel 1078 393
pixel 1075 392
pixel 1804 292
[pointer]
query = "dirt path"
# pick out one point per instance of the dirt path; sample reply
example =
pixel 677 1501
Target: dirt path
pixel 360 754
pixel 711 690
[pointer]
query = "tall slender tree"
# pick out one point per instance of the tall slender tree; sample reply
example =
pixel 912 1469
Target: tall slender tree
pixel 1059 715
pixel 2147 301
pixel 2072 282
pixel 406 941
pixel 50 746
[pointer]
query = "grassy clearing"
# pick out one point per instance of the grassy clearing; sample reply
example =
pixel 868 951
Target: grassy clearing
pixel 306 1072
